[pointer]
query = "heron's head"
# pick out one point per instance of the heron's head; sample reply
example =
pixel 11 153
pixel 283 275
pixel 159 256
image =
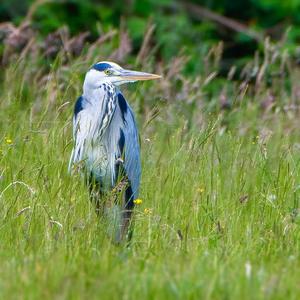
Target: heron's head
pixel 110 72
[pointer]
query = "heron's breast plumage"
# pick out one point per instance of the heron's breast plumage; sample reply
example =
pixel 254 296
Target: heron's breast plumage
pixel 90 125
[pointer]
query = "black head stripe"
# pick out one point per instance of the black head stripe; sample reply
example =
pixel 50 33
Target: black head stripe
pixel 101 66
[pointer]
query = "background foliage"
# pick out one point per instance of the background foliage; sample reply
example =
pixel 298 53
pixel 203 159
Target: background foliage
pixel 177 26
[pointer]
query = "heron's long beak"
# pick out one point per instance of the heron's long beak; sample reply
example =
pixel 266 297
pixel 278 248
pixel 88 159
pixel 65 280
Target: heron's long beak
pixel 135 75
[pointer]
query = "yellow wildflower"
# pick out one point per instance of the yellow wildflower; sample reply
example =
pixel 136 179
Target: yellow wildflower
pixel 138 201
pixel 201 190
pixel 147 211
pixel 8 141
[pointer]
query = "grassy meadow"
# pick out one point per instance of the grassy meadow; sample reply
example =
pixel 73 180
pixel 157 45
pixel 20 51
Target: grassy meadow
pixel 219 217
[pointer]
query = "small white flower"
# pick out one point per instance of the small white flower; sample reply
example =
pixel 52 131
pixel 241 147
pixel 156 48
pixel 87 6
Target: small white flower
pixel 248 269
pixel 272 197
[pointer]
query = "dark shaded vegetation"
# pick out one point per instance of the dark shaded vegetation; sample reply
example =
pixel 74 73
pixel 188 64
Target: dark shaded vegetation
pixel 188 26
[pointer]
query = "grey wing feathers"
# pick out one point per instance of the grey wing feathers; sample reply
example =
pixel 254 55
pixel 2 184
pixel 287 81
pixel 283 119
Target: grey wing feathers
pixel 123 135
pixel 132 153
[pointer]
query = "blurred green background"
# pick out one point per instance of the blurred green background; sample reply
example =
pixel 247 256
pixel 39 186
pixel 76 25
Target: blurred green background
pixel 186 26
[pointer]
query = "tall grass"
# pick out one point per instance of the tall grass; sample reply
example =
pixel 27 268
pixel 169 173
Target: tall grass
pixel 220 188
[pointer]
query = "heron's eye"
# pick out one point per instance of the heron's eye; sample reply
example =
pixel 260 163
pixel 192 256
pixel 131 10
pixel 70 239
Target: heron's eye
pixel 108 72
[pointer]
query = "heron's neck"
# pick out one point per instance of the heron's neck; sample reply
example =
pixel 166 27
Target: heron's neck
pixel 97 94
pixel 100 103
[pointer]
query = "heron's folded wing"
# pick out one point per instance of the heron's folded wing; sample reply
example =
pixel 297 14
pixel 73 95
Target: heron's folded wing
pixel 124 135
pixel 132 153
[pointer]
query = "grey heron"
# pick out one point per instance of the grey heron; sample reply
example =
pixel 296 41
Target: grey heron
pixel 106 141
